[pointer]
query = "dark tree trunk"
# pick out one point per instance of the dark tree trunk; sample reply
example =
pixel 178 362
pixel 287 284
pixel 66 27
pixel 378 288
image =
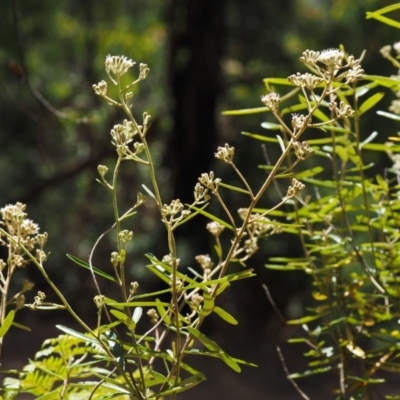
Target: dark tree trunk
pixel 196 32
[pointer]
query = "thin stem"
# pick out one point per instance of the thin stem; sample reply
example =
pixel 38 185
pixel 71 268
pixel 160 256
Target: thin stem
pixel 242 178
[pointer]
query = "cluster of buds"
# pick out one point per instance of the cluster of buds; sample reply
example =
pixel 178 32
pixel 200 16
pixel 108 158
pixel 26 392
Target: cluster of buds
pixel 153 315
pixel 258 227
pixel 178 284
pixel 215 228
pixel 299 122
pixel 225 153
pixel 174 212
pixel 295 188
pixel 196 300
pixel 144 70
pixel 201 195
pixel 38 300
pixel 125 236
pixel 22 231
pixel 205 261
pixel 302 150
pixel 133 287
pixel 117 66
pixel 307 80
pixel 115 259
pixel 272 101
pixel 101 89
pixel 343 111
pixel 140 199
pixel 329 62
pixel 123 134
pixel 386 52
pixel 171 261
pixel 209 181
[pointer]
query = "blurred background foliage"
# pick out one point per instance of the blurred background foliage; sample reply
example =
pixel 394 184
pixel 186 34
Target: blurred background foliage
pixel 205 57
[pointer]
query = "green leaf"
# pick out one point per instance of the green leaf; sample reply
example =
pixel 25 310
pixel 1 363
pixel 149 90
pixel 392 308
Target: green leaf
pixel 225 316
pixel 20 326
pixel 380 147
pixel 76 334
pixel 386 9
pixel 7 323
pixel 113 303
pixel 294 109
pixel 247 111
pixel 119 315
pixel 304 320
pixel 277 81
pixel 186 384
pixel 86 265
pixel 234 188
pixel 384 20
pixel 260 137
pixel 211 345
pixel 213 218
pixel 320 115
pixel 162 312
pixel 383 81
pixel 371 102
pixel 270 126
pixel 193 214
pixel 208 305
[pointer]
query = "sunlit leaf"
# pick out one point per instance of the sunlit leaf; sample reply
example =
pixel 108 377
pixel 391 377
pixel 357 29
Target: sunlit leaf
pixel 247 111
pixel 371 102
pixel 211 345
pixel 8 320
pixel 260 137
pixel 384 20
pixel 86 265
pixel 149 192
pixel 183 385
pixel 234 188
pixel 270 126
pixel 225 315
pixel 304 320
pixel 76 334
pixel 213 218
pixel 383 80
pixel 389 115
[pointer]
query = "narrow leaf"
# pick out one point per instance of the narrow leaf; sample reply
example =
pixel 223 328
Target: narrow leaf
pixel 213 218
pixel 247 111
pixel 7 323
pixel 86 265
pixel 76 334
pixel 149 192
pixel 234 188
pixel 211 345
pixel 225 315
pixel 385 20
pixel 260 137
pixel 371 102
pixel 271 126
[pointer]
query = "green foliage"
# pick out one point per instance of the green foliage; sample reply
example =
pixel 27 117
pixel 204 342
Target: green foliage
pixel 347 224
pixel 124 355
pixel 66 367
